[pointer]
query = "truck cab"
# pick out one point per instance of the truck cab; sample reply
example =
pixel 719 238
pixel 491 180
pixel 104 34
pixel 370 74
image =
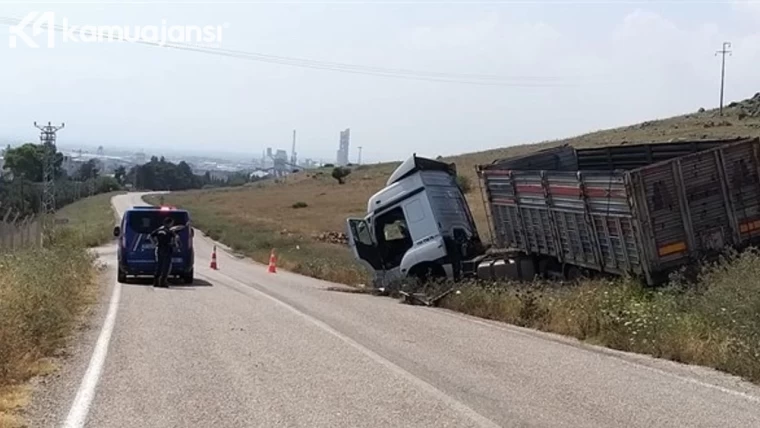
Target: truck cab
pixel 418 226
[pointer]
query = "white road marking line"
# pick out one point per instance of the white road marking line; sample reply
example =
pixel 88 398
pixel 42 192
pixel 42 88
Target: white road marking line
pixel 81 406
pixel 425 386
pixel 665 373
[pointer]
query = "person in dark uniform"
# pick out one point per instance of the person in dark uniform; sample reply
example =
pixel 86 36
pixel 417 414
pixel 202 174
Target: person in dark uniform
pixel 165 240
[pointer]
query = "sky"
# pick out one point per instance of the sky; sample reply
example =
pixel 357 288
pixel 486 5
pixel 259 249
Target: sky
pixel 558 69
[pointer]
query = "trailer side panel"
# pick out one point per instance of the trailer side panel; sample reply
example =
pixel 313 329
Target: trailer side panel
pixel 742 167
pixel 699 204
pixel 583 219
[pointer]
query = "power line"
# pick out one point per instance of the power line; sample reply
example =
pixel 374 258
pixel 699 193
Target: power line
pixel 462 78
pixel 723 53
pixel 375 69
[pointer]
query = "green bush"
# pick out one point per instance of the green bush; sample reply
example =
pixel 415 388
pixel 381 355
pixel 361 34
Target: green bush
pixel 464 183
pixel 340 173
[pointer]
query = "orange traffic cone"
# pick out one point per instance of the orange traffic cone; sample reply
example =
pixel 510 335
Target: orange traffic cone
pixel 213 259
pixel 272 263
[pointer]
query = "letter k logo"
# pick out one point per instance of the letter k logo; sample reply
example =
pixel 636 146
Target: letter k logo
pixel 18 31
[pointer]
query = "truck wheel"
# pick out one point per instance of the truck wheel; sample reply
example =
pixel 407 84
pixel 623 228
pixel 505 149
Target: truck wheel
pixel 428 273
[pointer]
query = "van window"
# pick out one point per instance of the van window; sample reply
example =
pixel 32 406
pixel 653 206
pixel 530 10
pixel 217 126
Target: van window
pixel 148 221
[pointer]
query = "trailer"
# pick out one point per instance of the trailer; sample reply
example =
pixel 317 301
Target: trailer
pixel 641 210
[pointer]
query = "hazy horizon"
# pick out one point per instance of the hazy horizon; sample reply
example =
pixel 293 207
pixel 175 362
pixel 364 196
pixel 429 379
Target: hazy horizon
pixel 572 67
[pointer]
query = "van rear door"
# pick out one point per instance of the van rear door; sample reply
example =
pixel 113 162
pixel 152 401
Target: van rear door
pixel 142 222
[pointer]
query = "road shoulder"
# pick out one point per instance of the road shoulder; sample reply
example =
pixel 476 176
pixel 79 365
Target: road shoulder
pixel 52 394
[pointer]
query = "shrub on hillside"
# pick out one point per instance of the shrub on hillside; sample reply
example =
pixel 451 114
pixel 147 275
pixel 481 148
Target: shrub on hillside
pixel 464 183
pixel 340 173
pixel 300 205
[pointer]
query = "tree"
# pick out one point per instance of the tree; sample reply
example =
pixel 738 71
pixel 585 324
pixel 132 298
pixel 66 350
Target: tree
pixel 339 173
pixel 88 170
pixel 120 174
pixel 160 174
pixel 26 161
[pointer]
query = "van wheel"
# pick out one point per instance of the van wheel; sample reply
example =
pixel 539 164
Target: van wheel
pixel 121 277
pixel 188 277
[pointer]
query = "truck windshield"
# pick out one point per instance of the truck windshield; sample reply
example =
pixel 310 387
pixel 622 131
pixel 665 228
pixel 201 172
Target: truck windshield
pixel 148 221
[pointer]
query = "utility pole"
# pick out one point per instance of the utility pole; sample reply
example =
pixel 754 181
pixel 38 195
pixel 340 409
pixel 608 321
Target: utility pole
pixel 293 155
pixel 723 53
pixel 47 138
pixel 359 160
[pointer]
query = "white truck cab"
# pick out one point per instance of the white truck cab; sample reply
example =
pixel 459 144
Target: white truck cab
pixel 418 226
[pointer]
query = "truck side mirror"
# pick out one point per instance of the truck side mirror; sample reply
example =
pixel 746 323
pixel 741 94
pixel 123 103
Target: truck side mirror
pixel 116 231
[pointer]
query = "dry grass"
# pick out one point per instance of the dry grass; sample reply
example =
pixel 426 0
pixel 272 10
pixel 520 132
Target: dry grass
pixel 257 232
pixel 43 294
pixel 91 219
pixel 12 400
pixel 714 322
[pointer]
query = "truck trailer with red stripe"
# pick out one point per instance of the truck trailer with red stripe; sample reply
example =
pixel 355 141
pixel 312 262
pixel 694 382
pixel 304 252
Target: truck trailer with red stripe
pixel 634 209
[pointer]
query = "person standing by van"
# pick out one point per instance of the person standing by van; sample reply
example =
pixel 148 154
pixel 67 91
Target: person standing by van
pixel 164 238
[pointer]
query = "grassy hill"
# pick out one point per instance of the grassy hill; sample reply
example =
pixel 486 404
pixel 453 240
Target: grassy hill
pixel 293 216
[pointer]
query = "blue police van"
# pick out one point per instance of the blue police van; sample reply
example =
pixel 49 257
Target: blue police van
pixel 136 251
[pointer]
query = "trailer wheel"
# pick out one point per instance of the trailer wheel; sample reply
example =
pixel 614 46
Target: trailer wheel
pixel 549 267
pixel 573 273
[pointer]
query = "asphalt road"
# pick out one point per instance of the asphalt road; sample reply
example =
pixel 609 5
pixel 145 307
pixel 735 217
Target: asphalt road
pixel 246 348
